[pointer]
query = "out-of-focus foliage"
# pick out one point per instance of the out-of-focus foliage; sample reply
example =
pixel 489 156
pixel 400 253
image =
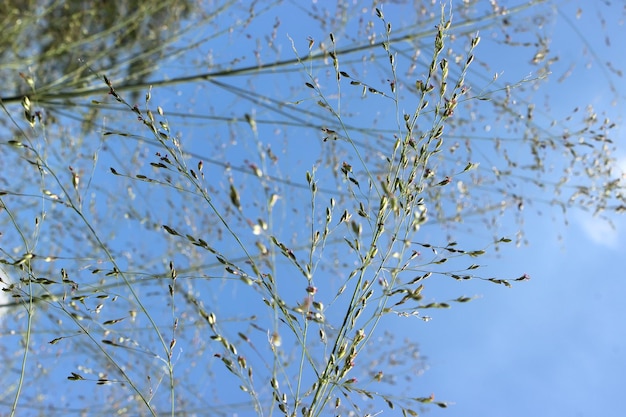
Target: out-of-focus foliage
pixel 53 43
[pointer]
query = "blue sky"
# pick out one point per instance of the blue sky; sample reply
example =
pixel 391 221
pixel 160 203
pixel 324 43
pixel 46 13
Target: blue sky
pixel 550 346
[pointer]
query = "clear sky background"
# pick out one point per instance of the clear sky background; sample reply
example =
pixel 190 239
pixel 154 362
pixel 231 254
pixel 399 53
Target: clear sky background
pixel 551 346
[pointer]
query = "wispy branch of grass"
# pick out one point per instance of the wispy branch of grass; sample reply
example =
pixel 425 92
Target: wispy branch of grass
pixel 70 201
